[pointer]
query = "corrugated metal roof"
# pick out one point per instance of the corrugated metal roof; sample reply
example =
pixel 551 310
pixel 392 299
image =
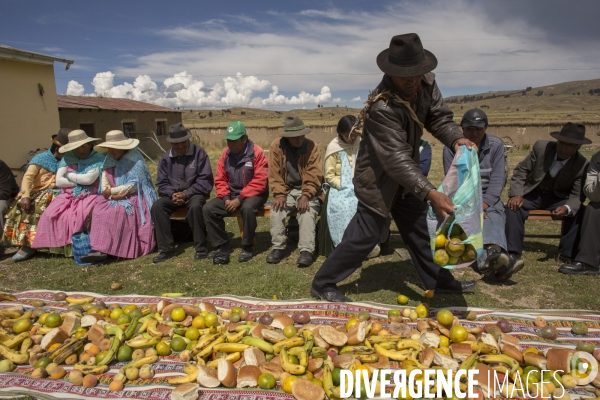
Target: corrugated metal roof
pixel 105 103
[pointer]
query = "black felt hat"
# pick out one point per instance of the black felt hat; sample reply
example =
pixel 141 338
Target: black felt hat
pixel 406 57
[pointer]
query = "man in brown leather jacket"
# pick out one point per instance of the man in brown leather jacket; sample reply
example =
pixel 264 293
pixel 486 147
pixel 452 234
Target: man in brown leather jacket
pixel 387 177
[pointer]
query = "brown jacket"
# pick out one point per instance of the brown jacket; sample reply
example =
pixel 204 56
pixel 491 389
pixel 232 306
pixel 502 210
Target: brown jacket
pixel 310 167
pixel 388 158
pixel 530 172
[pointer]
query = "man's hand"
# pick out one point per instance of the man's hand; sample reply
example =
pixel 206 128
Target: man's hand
pixel 232 205
pixel 441 203
pixel 466 142
pixel 515 202
pixel 25 203
pixel 178 198
pixel 278 203
pixel 303 204
pixel 106 193
pixel 560 211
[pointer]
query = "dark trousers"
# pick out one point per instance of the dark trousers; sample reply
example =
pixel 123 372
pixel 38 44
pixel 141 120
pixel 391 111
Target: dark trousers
pixel 161 217
pixel 589 244
pixel 536 200
pixel 215 211
pixel 364 232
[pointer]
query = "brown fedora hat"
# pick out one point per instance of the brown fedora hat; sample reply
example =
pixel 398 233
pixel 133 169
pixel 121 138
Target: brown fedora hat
pixel 178 133
pixel 62 137
pixel 571 133
pixel 293 127
pixel 406 57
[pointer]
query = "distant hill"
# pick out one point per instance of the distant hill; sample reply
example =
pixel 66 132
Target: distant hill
pixel 569 101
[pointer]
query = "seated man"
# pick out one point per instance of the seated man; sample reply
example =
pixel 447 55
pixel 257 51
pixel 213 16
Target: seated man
pixel 549 178
pixel 184 179
pixel 241 183
pixel 493 177
pixel 295 178
pixel 586 260
pixel 8 190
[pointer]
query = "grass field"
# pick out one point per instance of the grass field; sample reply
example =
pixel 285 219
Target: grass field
pixel 538 285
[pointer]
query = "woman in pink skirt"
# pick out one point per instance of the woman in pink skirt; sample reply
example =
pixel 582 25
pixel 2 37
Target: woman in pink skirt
pixel 121 224
pixel 67 214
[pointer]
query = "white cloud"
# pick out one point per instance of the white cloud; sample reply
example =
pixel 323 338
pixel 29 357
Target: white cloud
pixel 74 88
pixel 357 98
pixel 337 100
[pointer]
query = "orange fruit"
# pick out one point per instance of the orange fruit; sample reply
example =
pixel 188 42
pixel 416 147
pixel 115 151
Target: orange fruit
pixel 440 241
pixel 178 343
pixel 402 299
pixel 266 381
pixel 291 330
pixel 163 349
pixel 445 317
pixel 178 314
pixel 104 313
pixel 392 313
pixel 54 346
pixel 42 318
pixel 22 325
pixel 350 322
pixel 53 320
pixel 116 313
pixel 440 257
pixel 211 320
pixel 192 333
pixel 42 362
pixel 129 308
pixel 198 322
pixel 454 248
pixel 287 383
pixel 123 319
pixel 421 311
pixel 444 341
pixel 100 356
pixel 458 334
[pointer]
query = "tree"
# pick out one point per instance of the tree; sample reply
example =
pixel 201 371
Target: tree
pixel 210 114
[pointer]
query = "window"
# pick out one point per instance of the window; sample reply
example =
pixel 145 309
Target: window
pixel 161 128
pixel 88 129
pixel 128 128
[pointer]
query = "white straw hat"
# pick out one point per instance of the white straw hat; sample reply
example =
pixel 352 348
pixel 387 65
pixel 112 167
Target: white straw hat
pixel 77 138
pixel 117 140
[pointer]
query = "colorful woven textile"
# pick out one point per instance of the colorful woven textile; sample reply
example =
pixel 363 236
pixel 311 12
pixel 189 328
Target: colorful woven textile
pixel 20 382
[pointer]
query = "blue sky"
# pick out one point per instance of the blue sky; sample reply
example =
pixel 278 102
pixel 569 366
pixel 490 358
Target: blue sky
pixel 284 54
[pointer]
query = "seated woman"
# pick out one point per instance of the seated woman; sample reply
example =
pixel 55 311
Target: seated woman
pixel 77 176
pixel 340 158
pixel 38 189
pixel 121 224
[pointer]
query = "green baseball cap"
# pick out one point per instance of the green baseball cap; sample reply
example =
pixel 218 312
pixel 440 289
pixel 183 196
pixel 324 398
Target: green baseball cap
pixel 235 130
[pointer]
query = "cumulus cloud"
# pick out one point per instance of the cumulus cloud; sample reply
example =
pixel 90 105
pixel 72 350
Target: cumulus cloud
pixel 74 88
pixel 183 90
pixel 357 98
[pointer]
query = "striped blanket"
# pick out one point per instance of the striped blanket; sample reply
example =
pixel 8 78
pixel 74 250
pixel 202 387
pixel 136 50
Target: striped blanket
pixel 19 382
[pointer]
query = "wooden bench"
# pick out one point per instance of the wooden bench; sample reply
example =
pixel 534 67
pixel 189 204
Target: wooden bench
pixel 543 215
pixel 264 211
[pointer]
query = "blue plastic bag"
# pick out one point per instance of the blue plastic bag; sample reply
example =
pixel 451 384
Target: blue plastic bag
pixel 81 246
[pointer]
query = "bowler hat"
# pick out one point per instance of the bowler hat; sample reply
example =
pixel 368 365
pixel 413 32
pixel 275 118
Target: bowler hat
pixel 77 138
pixel 178 133
pixel 406 57
pixel 571 133
pixel 293 127
pixel 62 137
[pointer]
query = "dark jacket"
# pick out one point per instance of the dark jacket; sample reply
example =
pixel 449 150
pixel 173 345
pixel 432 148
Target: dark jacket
pixel 242 177
pixel 8 184
pixel 492 167
pixel 530 172
pixel 388 158
pixel 189 173
pixel 310 168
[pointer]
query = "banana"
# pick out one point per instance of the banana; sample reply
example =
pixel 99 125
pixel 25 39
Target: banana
pixel 265 346
pixel 142 343
pixel 233 357
pixel 357 350
pixel 26 345
pixel 384 338
pixel 172 295
pixel 500 367
pixel 327 381
pixel 388 345
pixel 287 366
pixel 244 328
pixel 299 352
pixel 115 342
pixel 309 340
pixel 91 369
pixel 192 374
pixel 230 347
pixel 413 357
pixel 203 342
pixel 81 301
pixel 13 356
pixel 131 330
pixel 140 361
pixel 392 354
pixel 469 362
pixel 443 350
pixel 151 329
pixel 409 344
pixel 15 341
pixel 209 349
pixel 144 326
pixel 10 314
pixel 234 338
pixel 288 343
pixel 368 344
pixel 367 358
pixel 60 354
pixel 500 358
pixel 7 297
pixel 318 352
pixel 158 317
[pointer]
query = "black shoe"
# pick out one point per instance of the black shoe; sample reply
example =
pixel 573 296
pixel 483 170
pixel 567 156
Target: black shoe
pixel 456 287
pixel 162 256
pixel 578 268
pixel 514 266
pixel 334 296
pixel 221 258
pixel 275 256
pixel 200 255
pixel 245 255
pixel 93 257
pixel 305 259
pixel 496 260
pixel 222 248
